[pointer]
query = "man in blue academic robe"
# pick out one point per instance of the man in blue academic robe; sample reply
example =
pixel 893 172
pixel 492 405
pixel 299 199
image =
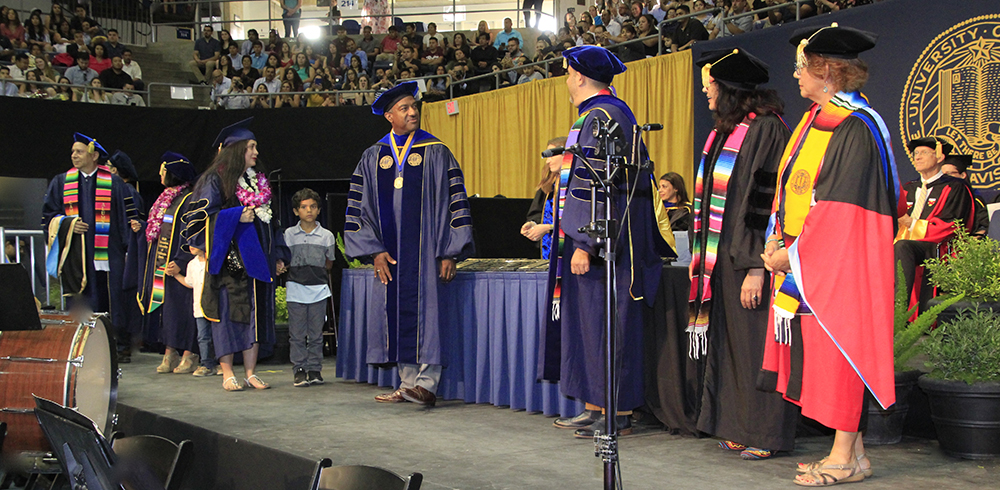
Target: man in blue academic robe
pixel 572 349
pixel 407 213
pixel 128 282
pixel 91 193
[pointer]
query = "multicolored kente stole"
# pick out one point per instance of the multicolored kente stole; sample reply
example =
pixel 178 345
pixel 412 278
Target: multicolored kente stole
pixel 560 235
pixel 706 238
pixel 799 170
pixel 102 206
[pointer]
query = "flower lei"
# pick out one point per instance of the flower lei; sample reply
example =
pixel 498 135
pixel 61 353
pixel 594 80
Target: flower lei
pixel 159 208
pixel 255 192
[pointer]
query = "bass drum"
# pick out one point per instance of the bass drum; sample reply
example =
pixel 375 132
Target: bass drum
pixel 69 362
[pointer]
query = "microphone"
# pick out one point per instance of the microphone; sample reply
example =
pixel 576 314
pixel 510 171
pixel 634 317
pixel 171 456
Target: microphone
pixel 551 152
pixel 652 127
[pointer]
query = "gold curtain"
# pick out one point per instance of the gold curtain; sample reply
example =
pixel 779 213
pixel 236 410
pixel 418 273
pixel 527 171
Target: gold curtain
pixel 498 136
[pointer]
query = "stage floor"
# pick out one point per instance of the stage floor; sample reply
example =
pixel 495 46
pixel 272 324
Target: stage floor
pixel 461 446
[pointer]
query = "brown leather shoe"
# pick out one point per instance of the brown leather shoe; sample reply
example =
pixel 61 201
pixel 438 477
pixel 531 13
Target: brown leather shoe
pixel 394 397
pixel 420 396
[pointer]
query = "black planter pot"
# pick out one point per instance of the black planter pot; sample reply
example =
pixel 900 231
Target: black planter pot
pixel 281 346
pixel 952 311
pixel 886 426
pixel 967 417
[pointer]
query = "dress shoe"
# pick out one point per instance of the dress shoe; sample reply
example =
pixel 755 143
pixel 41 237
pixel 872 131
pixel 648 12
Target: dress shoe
pixel 420 396
pixel 624 427
pixel 170 361
pixel 394 397
pixel 584 419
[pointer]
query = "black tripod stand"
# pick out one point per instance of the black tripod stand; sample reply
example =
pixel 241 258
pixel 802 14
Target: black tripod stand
pixel 605 230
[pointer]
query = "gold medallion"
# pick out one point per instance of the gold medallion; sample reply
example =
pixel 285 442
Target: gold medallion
pixel 385 163
pixel 398 183
pixel 801 182
pixel 414 160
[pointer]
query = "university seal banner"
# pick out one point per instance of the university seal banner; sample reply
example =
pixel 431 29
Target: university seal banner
pixel 935 71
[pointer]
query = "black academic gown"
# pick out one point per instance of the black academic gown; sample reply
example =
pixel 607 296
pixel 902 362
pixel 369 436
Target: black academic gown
pixel 135 209
pixel 572 347
pixel 99 294
pixel 732 408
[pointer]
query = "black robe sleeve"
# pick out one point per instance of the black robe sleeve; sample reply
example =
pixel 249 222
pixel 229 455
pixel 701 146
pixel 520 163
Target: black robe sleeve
pixel 537 209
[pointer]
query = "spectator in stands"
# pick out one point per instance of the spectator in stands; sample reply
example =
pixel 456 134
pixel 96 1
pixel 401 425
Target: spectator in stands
pixel 273 41
pixel 460 43
pixel 81 74
pixel 131 67
pixel 315 60
pixel 293 78
pixel 274 62
pixel 569 22
pixel 207 51
pixel 247 46
pixel 514 49
pixel 233 53
pixel 56 17
pixel 543 50
pixel 99 61
pixel 611 24
pixel 506 34
pixel 35 32
pixel 636 9
pixel 79 45
pixel 226 40
pixel 302 68
pixel 81 22
pixel 354 52
pixel 484 56
pixel 7 87
pixel 95 94
pixel 461 61
pixel 257 56
pixel 269 80
pixel 226 66
pixel 385 79
pixel 334 58
pixel 364 98
pixel 647 27
pixel 62 35
pixel 291 12
pixel 408 61
pixel 687 32
pixel 113 47
pixel 341 39
pixel 389 44
pixel 127 97
pixel 589 38
pixel 656 10
pixel 529 73
pixel 433 56
pixel 595 17
pixel 483 28
pixel 31 90
pixel 287 99
pixel 285 55
pixel 45 71
pixel 410 33
pixel 356 66
pixel 13 30
pixel 626 51
pixel 432 31
pixel 724 26
pixel 261 99
pixel 247 72
pixel 586 17
pixel 314 99
pixel 705 17
pixel 20 66
pixel 115 77
pixel 368 44
pixel 236 98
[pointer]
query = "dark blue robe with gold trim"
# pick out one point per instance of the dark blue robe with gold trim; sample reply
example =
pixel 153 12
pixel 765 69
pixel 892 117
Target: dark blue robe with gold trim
pixel 425 221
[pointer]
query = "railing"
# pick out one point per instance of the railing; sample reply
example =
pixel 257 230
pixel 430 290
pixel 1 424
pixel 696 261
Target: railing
pixel 130 18
pixel 144 93
pixel 17 235
pixel 713 11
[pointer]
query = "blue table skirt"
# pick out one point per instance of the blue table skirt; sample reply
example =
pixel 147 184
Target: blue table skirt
pixel 491 351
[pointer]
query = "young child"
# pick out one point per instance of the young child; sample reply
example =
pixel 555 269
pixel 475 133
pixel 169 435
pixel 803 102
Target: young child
pixel 312 250
pixel 194 278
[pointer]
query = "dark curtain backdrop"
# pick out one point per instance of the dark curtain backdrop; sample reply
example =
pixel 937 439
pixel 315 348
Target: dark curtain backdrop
pixel 314 143
pixel 906 29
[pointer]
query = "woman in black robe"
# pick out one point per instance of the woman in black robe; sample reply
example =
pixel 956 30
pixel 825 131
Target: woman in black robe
pixel 729 310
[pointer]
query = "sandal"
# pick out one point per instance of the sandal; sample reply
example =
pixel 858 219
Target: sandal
pixel 732 446
pixel 230 384
pixel 755 453
pixel 822 478
pixel 254 377
pixel 810 467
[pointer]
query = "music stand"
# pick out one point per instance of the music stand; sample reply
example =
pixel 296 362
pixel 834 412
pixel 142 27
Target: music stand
pixel 85 456
pixel 17 305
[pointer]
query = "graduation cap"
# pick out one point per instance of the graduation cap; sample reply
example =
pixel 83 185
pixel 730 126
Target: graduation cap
pixel 961 162
pixel 123 163
pixel 735 68
pixel 179 166
pixel 234 133
pixel 92 144
pixel 594 62
pixel 939 146
pixel 832 41
pixel 387 99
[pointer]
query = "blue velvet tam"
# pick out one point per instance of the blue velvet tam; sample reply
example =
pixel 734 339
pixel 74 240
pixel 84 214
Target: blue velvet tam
pixel 123 163
pixel 733 67
pixel 91 143
pixel 594 62
pixel 234 133
pixel 834 41
pixel 385 101
pixel 179 166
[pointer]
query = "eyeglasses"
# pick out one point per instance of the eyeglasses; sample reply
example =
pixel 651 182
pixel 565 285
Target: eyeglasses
pixel 923 153
pixel 799 67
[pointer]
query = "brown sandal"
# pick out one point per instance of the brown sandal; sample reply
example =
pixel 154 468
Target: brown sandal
pixel 821 478
pixel 810 467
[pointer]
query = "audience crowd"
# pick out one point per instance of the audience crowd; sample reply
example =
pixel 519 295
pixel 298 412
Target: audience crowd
pixel 64 48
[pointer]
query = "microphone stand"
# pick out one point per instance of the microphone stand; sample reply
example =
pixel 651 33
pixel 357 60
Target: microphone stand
pixel 605 231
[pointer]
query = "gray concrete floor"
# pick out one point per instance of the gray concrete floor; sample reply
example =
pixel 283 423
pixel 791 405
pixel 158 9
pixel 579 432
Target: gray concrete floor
pixel 461 446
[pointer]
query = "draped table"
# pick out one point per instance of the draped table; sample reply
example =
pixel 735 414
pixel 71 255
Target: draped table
pixel 491 347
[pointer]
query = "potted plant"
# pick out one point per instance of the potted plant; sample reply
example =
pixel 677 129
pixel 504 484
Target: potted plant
pixel 281 346
pixel 885 426
pixel 964 384
pixel 973 268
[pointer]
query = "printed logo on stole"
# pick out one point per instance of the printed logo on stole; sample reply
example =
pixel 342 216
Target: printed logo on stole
pixel 385 163
pixel 953 92
pixel 800 182
pixel 931 201
pixel 414 160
